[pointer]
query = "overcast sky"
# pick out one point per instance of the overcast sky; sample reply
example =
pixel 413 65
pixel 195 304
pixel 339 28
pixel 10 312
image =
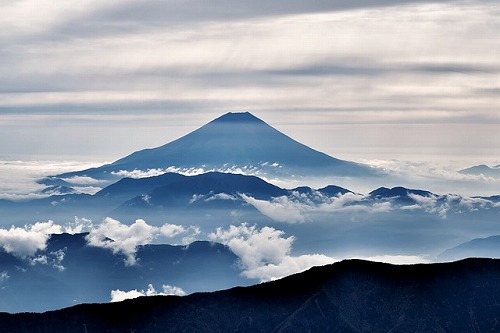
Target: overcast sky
pixel 380 79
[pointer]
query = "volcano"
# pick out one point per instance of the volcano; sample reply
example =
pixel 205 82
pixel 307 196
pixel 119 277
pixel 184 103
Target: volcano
pixel 234 141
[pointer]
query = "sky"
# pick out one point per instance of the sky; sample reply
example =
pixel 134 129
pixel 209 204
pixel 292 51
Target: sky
pixel 359 80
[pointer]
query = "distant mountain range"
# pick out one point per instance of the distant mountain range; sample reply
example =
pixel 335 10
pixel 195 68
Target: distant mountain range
pixel 484 170
pixel 70 271
pixel 232 141
pixel 349 296
pixel 488 247
pixel 197 195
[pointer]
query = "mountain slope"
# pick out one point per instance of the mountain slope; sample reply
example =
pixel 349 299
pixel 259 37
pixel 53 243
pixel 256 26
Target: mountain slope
pixel 484 170
pixel 213 188
pixel 350 296
pixel 488 247
pixel 238 140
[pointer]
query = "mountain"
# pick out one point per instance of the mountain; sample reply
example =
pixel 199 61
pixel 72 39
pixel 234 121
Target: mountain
pixel 488 247
pixel 349 296
pixel 71 271
pixel 483 170
pixel 398 194
pixel 232 141
pixel 208 188
pixel 333 190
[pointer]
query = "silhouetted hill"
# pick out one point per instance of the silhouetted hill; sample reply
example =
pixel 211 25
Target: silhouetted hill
pixel 349 296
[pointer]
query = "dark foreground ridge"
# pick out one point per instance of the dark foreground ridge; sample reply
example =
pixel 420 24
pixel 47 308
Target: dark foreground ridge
pixel 350 296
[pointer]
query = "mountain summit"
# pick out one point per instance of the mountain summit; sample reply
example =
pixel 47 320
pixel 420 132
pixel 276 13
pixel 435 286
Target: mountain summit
pixel 235 140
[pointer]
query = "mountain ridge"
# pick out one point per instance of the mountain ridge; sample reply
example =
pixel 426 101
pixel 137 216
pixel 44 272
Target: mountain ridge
pixel 348 296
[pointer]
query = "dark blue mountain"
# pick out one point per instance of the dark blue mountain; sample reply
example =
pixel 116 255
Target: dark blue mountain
pixel 208 189
pixel 128 188
pixel 234 140
pixel 70 271
pixel 398 194
pixel 332 190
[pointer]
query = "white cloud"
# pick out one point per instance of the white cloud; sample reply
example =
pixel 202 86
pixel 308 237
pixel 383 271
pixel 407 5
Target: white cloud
pixel 84 180
pixel 121 238
pixel 124 239
pixel 287 266
pixel 280 209
pixel 172 230
pixel 57 258
pixel 220 196
pixel 298 208
pixel 18 178
pixel 398 259
pixel 24 242
pixel 79 225
pixel 172 290
pixel 4 276
pixel 211 197
pixel 139 173
pixel 264 253
pixel 118 295
pixel 39 260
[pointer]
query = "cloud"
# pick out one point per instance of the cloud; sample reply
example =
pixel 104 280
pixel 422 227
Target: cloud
pixel 4 276
pixel 287 266
pixel 212 196
pixel 264 253
pixel 298 208
pixel 84 180
pixel 172 230
pixel 124 239
pixel 280 209
pixel 18 179
pixel 118 295
pixel 121 238
pixel 26 241
pixel 79 225
pixel 398 259
pixel 140 173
